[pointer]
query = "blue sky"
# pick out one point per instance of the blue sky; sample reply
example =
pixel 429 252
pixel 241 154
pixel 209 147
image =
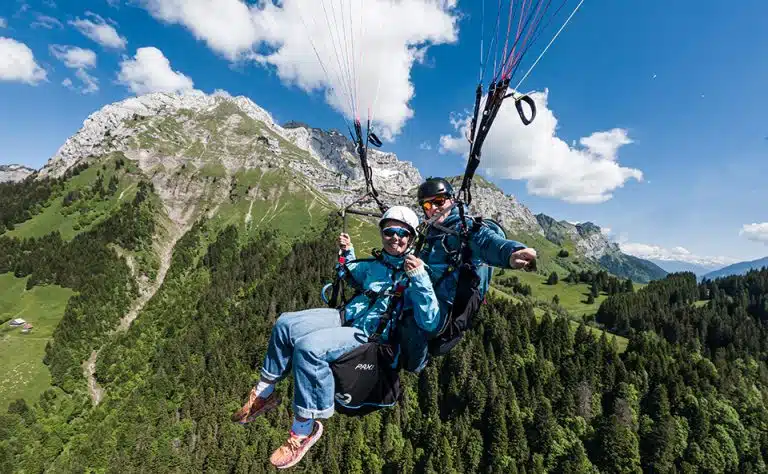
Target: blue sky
pixel 682 81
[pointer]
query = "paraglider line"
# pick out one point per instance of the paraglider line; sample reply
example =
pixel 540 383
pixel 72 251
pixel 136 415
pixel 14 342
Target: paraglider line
pixel 517 87
pixel 538 35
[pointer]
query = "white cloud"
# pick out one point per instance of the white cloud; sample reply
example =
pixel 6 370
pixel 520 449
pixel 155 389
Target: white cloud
pixel 606 230
pixel 425 146
pixel 99 31
pixel 552 168
pixel 67 83
pixel 755 232
pixel 676 253
pixel 376 41
pixel 17 63
pixel 150 71
pixel 74 57
pixel 79 59
pixel 221 93
pixel 3 22
pixel 90 83
pixel 47 22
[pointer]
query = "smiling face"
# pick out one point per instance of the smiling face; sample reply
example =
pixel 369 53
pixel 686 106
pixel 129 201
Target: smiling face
pixel 435 204
pixel 395 237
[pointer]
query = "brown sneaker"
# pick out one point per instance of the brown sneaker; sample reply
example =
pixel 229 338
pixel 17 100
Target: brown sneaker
pixel 255 406
pixel 290 453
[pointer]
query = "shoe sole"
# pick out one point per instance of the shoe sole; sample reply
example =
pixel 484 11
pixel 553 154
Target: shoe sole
pixel 311 443
pixel 267 406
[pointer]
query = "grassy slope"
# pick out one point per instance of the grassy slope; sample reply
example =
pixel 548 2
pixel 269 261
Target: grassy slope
pixel 280 202
pixel 621 342
pixel 22 372
pixel 572 296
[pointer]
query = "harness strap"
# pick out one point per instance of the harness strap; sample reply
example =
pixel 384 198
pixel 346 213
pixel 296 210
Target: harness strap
pixel 345 276
pixel 394 307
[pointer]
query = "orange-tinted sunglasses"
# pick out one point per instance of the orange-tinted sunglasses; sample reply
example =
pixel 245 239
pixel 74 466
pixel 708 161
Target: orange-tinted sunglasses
pixel 437 202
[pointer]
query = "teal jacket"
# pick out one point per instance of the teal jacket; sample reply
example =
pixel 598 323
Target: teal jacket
pixel 488 249
pixel 385 275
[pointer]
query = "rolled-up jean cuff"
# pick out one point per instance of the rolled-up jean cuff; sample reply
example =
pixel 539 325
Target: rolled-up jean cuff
pixel 269 377
pixel 309 413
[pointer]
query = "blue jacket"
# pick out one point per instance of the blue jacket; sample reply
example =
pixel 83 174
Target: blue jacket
pixel 488 248
pixel 375 275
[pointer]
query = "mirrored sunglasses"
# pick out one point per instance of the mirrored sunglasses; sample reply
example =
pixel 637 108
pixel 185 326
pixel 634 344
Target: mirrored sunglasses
pixel 437 202
pixel 398 231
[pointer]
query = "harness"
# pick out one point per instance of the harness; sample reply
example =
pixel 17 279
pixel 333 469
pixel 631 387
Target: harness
pixel 367 378
pixel 395 291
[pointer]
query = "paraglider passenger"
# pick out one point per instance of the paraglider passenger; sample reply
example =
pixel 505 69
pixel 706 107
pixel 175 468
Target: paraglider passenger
pixel 312 339
pixel 436 195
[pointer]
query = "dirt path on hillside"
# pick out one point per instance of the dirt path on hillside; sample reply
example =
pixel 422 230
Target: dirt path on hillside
pixel 89 369
pixel 164 250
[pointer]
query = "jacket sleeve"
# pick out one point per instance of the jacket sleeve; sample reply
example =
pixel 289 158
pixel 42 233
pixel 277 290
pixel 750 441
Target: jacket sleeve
pixel 492 248
pixel 349 254
pixel 426 309
pixel 357 270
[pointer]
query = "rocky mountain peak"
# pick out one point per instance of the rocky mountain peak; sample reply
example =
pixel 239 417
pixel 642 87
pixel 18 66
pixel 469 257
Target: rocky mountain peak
pixel 14 173
pixel 193 145
pixel 588 237
pixel 112 121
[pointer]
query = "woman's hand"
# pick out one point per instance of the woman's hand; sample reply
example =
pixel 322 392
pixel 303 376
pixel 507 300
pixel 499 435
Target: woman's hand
pixel 344 242
pixel 412 263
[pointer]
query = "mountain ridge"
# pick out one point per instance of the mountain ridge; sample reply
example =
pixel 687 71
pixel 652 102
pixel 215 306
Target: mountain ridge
pixel 15 173
pixel 739 268
pixel 221 136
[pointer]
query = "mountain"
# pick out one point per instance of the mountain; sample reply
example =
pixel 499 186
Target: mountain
pixel 176 230
pixel 737 269
pixel 176 138
pixel 14 173
pixel 673 266
pixel 196 147
pixel 590 240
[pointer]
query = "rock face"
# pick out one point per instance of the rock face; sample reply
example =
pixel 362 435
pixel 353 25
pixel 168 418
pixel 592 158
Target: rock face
pixel 170 131
pixel 174 136
pixel 588 238
pixel 14 173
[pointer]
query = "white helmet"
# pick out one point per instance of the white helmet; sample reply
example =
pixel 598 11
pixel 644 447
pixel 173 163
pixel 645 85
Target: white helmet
pixel 401 214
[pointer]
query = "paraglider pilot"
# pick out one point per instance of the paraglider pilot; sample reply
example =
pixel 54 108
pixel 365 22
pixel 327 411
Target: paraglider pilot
pixel 487 247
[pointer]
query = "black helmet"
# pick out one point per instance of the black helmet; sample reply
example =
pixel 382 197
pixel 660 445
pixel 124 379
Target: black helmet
pixel 434 187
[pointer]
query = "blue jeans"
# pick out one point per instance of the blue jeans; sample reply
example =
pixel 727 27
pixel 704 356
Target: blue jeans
pixel 309 341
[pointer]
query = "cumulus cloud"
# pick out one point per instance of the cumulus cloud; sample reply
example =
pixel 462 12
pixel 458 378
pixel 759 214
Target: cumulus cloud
pixel 755 232
pixel 426 146
pixel 97 29
pixel 150 71
pixel 372 45
pixel 17 63
pixel 552 168
pixel 681 254
pixel 47 22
